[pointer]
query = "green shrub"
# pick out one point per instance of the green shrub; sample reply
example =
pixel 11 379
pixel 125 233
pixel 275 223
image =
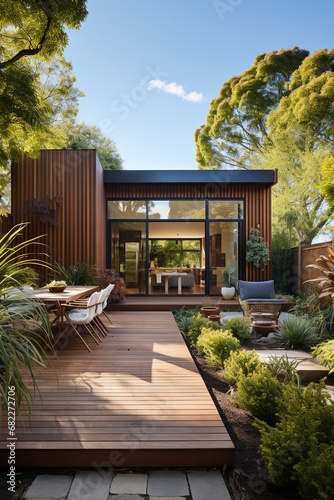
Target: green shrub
pixel 216 345
pixel 238 327
pixel 325 354
pixel 241 363
pixel 304 430
pixel 184 319
pixel 258 393
pixel 316 473
pixel 200 322
pixel 284 369
pixel 297 332
pixel 78 274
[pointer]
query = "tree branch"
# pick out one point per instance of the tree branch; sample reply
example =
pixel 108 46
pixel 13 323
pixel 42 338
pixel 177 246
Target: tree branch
pixel 29 52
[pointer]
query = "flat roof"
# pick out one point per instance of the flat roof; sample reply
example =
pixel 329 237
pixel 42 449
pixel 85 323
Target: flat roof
pixel 264 177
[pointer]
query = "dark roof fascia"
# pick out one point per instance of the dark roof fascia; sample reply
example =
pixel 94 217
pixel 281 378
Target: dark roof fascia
pixel 264 177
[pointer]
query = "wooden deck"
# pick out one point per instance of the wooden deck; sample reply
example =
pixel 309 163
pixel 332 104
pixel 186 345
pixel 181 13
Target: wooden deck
pixel 170 302
pixel 136 400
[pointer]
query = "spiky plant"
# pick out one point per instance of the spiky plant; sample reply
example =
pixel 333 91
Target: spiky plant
pixel 24 323
pixel 325 264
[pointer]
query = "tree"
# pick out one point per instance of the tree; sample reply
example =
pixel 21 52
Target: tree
pixel 236 125
pixel 327 180
pixel 83 136
pixel 37 27
pixel 278 114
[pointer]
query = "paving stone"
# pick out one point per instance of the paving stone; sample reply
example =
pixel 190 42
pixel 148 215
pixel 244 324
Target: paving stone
pixel 167 498
pixel 129 483
pixel 126 497
pixel 49 486
pixel 205 485
pixel 91 484
pixel 167 483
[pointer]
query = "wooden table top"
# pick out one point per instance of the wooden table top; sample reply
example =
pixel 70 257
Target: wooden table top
pixel 70 293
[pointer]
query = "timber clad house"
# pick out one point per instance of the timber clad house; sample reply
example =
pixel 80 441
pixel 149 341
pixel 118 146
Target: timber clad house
pixel 145 224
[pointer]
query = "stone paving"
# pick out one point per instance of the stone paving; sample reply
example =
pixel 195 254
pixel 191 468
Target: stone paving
pixel 108 485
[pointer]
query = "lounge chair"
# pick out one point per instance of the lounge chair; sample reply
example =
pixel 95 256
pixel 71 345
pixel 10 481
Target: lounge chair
pixel 259 296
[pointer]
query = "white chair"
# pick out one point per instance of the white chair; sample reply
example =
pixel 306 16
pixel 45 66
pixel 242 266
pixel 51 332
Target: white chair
pixel 83 315
pixel 109 289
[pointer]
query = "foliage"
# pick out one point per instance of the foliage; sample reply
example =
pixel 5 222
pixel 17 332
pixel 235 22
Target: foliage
pixel 55 283
pixel 307 304
pixel 44 210
pixel 184 319
pixel 106 276
pixel 297 332
pixel 325 264
pixel 304 432
pixel 20 316
pixel 278 114
pixel 227 275
pixel 216 345
pixel 238 327
pixel 77 274
pixel 257 249
pixel 258 392
pixel 281 261
pixel 284 369
pixel 83 136
pixel 327 180
pixel 325 354
pixel 175 253
pixel 241 363
pixel 198 323
pixel 236 123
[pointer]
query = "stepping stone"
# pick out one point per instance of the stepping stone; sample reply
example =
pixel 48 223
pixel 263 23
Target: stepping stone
pixel 311 372
pixel 129 483
pixel 208 485
pixel 49 486
pixel 167 484
pixel 126 497
pixel 91 484
pixel 290 353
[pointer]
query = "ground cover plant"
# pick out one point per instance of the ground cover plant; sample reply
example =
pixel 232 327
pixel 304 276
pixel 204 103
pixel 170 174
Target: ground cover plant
pixel 216 345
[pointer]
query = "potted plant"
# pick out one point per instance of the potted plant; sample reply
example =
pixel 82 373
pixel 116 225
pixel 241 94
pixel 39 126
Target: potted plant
pixel 257 249
pixel 56 286
pixel 228 291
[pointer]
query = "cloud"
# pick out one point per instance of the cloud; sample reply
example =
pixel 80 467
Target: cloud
pixel 178 90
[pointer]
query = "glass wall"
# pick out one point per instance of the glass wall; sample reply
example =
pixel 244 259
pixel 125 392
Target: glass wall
pixel 127 209
pixel 224 254
pixel 176 209
pixel 128 254
pixel 226 209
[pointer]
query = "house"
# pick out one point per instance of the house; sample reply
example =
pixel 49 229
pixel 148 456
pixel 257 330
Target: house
pixel 166 232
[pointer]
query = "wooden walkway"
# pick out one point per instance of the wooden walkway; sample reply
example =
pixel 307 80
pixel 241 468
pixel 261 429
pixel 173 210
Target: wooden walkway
pixel 136 400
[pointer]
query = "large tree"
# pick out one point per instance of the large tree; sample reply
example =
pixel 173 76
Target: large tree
pixel 32 38
pixel 83 136
pixel 278 114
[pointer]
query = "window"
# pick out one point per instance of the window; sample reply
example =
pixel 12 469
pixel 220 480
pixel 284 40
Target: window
pixel 226 209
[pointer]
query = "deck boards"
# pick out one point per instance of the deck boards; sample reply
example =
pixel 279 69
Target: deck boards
pixel 136 400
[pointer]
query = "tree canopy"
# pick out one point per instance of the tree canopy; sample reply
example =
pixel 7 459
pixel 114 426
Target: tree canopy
pixel 83 136
pixel 278 114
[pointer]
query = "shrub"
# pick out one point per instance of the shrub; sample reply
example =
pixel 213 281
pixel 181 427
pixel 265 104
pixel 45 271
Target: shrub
pixel 305 428
pixel 284 369
pixel 184 319
pixel 216 345
pixel 325 354
pixel 200 322
pixel 77 274
pixel 241 363
pixel 238 327
pixel 258 393
pixel 106 276
pixel 297 332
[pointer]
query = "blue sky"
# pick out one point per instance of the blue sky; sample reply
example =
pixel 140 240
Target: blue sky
pixel 150 68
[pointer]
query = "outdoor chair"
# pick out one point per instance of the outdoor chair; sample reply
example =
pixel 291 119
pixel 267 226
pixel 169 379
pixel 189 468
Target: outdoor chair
pixel 81 315
pixel 259 296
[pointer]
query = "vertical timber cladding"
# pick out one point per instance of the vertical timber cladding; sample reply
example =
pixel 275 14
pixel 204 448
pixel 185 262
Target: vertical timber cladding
pixel 257 206
pixel 77 177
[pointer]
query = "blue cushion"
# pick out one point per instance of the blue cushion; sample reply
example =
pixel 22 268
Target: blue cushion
pixel 256 290
pixel 270 301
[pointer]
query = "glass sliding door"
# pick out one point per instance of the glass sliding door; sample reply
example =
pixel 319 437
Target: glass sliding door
pixel 128 254
pixel 224 253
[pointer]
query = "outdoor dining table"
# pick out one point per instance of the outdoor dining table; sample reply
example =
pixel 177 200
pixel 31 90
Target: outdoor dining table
pixel 60 299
